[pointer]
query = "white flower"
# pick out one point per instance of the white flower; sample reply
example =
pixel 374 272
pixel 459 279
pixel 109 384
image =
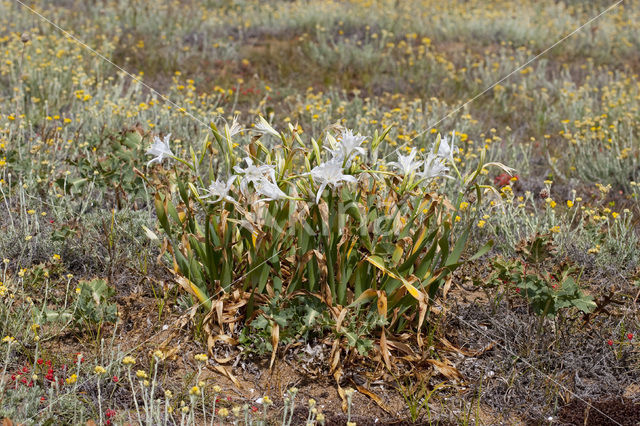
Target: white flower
pixel 270 190
pixel 349 144
pixel 433 167
pixel 264 127
pixel 406 164
pixel 329 173
pixel 444 149
pixel 160 149
pixel 220 189
pixel 252 174
pixel 235 127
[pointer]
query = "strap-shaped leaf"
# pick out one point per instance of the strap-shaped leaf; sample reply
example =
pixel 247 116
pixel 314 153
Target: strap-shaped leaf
pixel 455 254
pixel 161 212
pixel 481 251
pixel 378 262
pixel 196 291
pixel 417 250
pixel 365 297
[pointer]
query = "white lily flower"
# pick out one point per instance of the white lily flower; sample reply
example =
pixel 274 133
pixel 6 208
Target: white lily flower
pixel 269 189
pixel 252 174
pixel 433 167
pixel 221 190
pixel 446 150
pixel 160 149
pixel 264 127
pixel 406 164
pixel 349 144
pixel 329 173
pixel 235 127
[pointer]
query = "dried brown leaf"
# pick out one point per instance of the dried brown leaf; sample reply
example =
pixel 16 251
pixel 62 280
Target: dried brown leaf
pixel 446 287
pixel 335 355
pixel 225 372
pixel 374 397
pixel 446 370
pixel 218 307
pixel 337 375
pixel 403 347
pixel 382 303
pixel 343 313
pixel 423 312
pixel 384 349
pixel 275 339
pixel 448 345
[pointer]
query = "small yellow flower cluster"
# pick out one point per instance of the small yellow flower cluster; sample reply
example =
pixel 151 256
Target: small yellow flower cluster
pixel 128 360
pixel 201 357
pixel 550 202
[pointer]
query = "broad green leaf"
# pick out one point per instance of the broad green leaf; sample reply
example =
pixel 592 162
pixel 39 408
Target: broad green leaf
pixel 585 304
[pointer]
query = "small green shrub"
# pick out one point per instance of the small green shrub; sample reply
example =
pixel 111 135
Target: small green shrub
pixel 547 292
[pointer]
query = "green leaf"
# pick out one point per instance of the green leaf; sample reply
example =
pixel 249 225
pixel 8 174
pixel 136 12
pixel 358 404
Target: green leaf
pixel 481 251
pixel 132 140
pixel 264 277
pixel 585 304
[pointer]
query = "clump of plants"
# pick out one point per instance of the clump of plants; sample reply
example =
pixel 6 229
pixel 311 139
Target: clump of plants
pixel 92 309
pixel 279 216
pixel 547 292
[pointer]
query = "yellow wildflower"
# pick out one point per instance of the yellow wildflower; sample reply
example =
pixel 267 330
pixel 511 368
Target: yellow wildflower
pixel 201 357
pixel 128 360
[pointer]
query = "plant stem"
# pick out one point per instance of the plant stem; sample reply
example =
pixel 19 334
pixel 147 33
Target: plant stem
pixel 99 401
pixel 133 391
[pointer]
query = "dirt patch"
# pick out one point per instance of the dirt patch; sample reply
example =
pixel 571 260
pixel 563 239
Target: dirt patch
pixel 617 411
